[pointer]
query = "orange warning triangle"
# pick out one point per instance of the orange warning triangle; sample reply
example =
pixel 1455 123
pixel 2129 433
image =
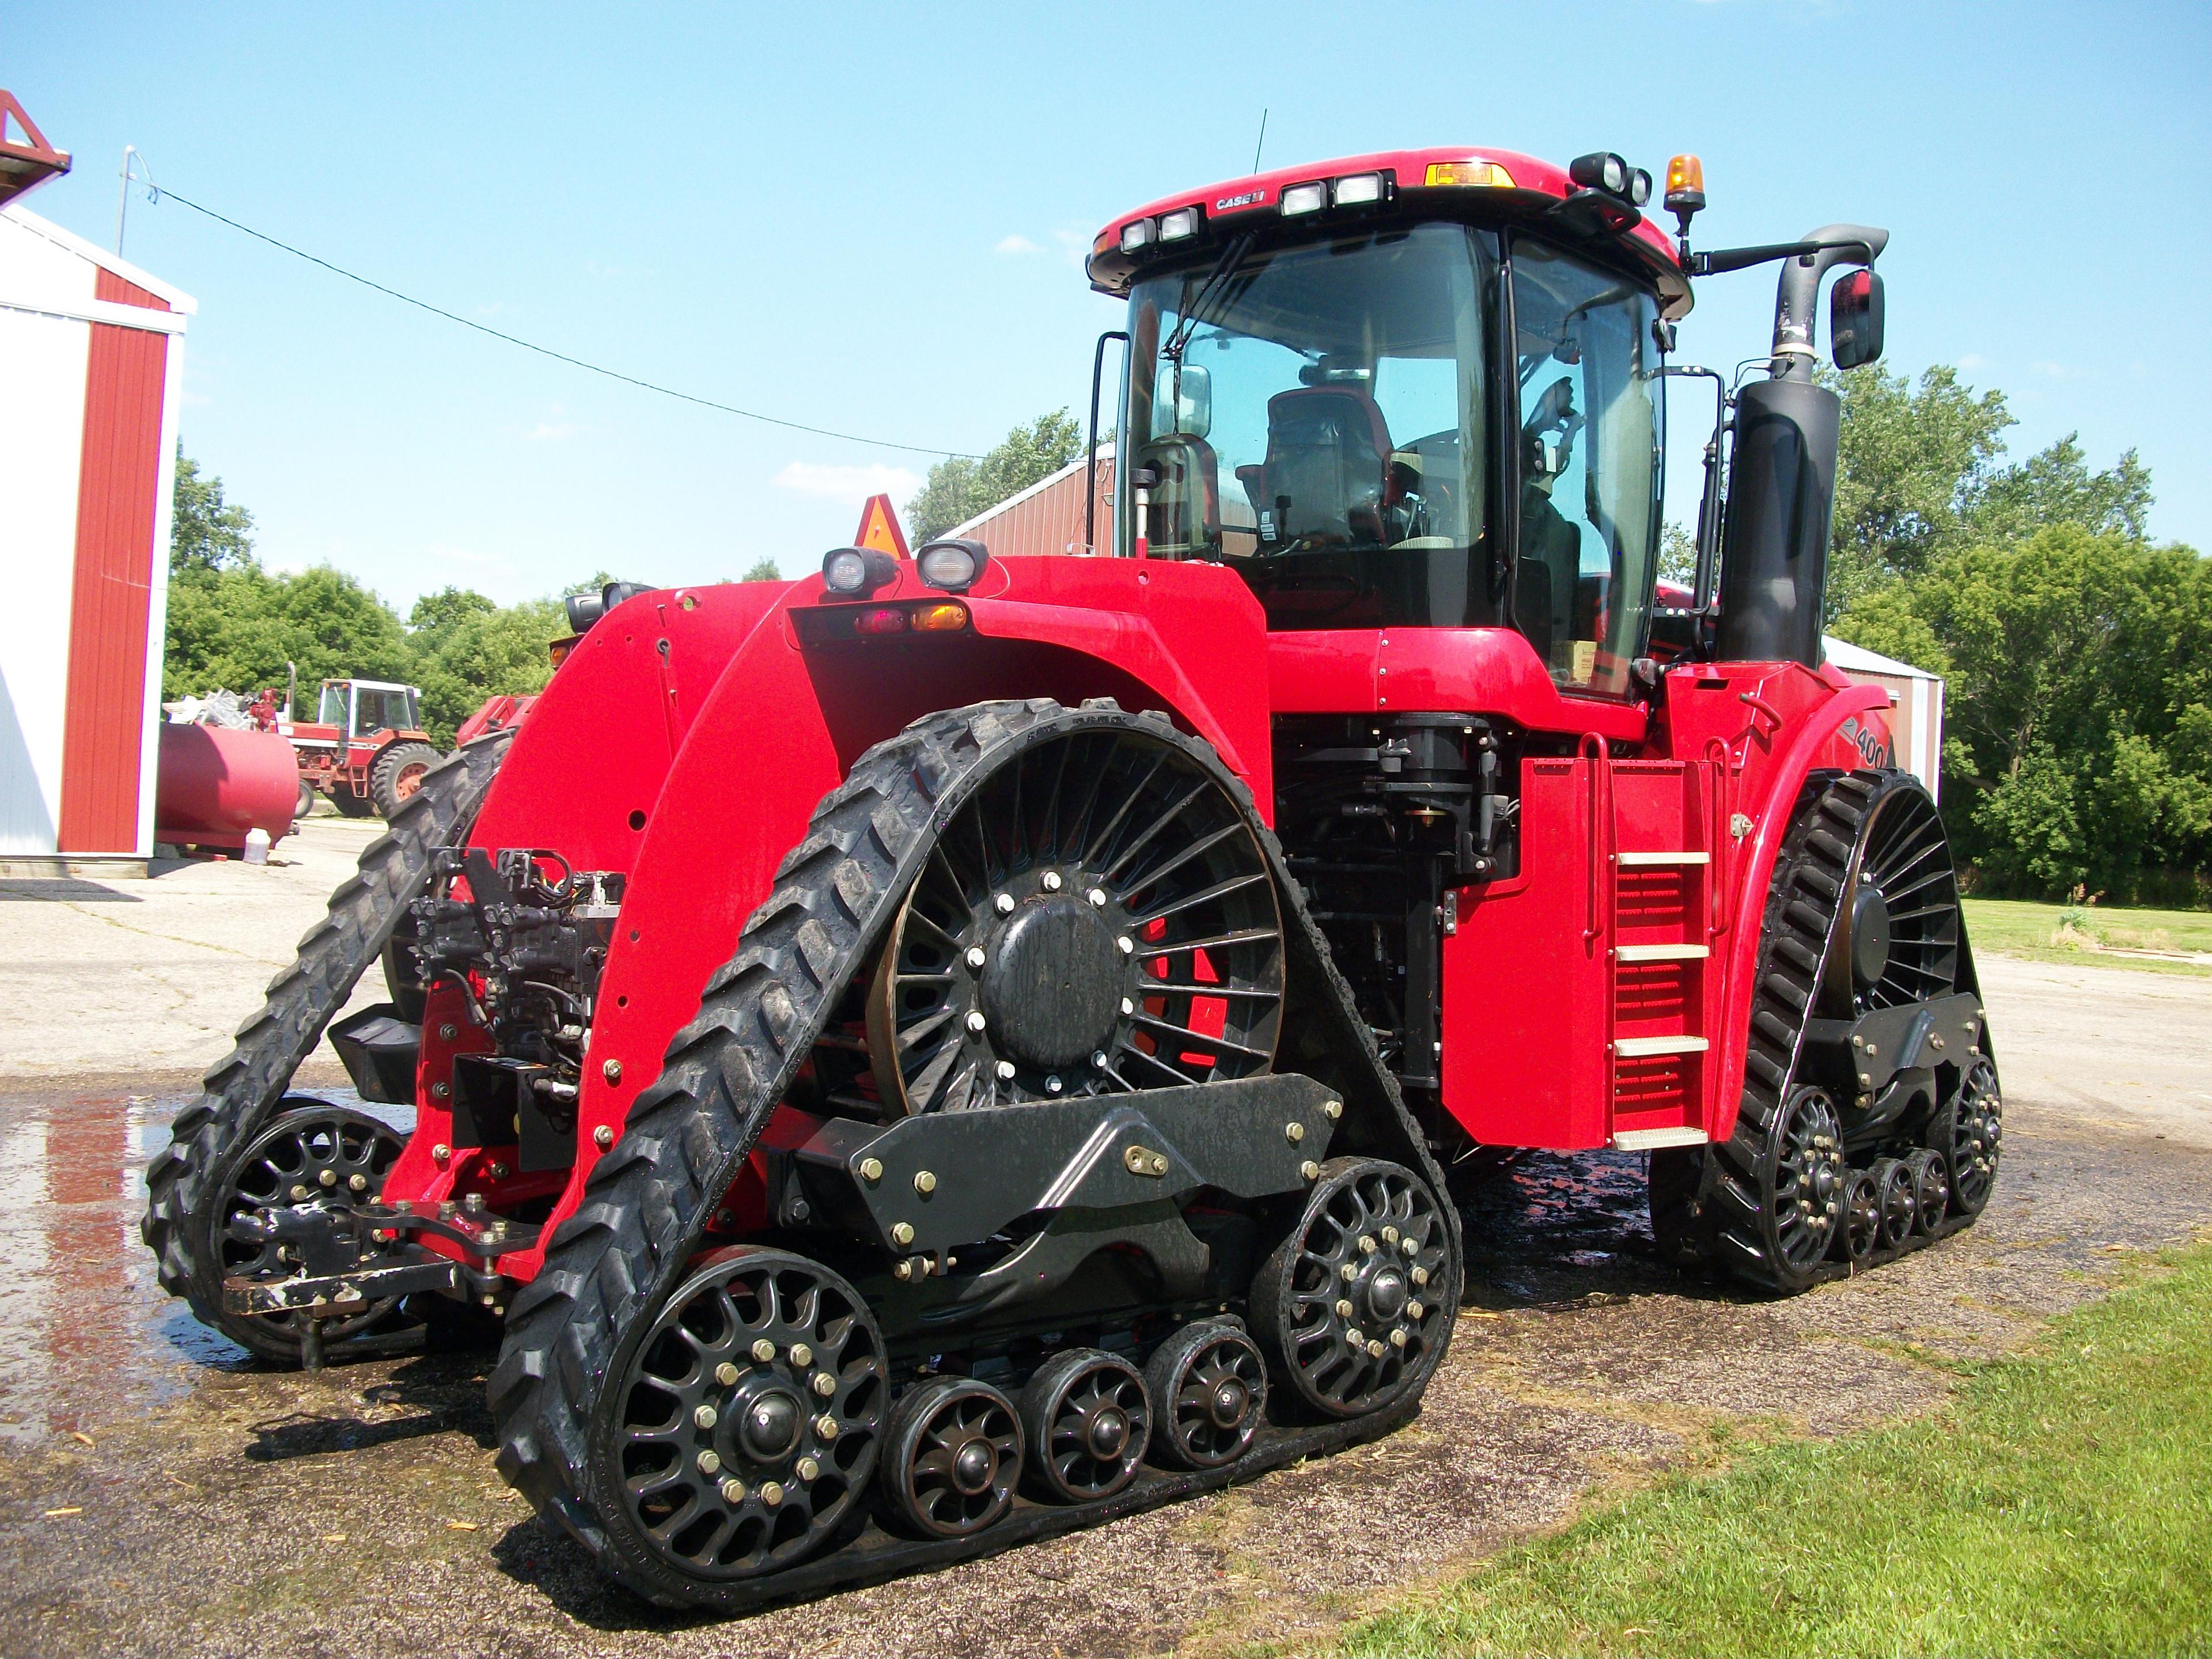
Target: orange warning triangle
pixel 879 528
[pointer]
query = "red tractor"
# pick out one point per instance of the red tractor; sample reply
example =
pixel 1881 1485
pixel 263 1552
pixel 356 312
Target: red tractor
pixel 953 1050
pixel 364 749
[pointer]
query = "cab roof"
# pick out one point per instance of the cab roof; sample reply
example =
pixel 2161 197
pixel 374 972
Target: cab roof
pixel 1501 186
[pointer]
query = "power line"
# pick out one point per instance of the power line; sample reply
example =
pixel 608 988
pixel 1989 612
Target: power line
pixel 161 193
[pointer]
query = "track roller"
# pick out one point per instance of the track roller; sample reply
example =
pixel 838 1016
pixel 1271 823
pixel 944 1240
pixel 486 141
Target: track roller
pixel 953 1457
pixel 1085 1419
pixel 1858 1229
pixel 1896 1199
pixel 1209 1388
pixel 1931 1190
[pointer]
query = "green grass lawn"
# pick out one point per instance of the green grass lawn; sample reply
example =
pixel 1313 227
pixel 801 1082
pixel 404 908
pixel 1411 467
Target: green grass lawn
pixel 2062 1504
pixel 2020 927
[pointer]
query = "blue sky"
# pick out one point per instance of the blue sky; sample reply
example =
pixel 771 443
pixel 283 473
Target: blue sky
pixel 871 218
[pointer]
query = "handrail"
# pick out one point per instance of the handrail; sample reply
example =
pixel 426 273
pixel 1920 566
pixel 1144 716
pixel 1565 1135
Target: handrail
pixel 1722 872
pixel 1091 455
pixel 1601 832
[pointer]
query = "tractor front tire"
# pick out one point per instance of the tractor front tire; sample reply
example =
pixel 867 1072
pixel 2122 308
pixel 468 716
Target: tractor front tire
pixel 349 804
pixel 397 773
pixel 306 802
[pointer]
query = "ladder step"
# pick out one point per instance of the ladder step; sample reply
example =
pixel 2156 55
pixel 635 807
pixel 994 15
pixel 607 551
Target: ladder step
pixel 1641 1048
pixel 1664 952
pixel 1642 861
pixel 1644 1140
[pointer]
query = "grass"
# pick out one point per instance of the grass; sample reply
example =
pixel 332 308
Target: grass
pixel 2061 1504
pixel 2066 933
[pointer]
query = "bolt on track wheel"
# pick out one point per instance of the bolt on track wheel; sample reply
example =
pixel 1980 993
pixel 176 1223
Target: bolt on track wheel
pixel 1097 917
pixel 953 1457
pixel 1209 1387
pixel 1858 1231
pixel 1358 1300
pixel 1895 1198
pixel 1803 1173
pixel 1085 1418
pixel 1971 1134
pixel 743 1428
pixel 1931 1190
pixel 311 1152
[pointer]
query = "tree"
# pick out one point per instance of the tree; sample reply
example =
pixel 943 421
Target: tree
pixel 205 533
pixel 958 488
pixel 761 570
pixel 463 649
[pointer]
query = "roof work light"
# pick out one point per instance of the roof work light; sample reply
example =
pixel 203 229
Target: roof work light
pixel 853 572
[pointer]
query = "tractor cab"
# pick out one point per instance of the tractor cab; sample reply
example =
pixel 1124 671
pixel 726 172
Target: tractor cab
pixel 358 709
pixel 1402 397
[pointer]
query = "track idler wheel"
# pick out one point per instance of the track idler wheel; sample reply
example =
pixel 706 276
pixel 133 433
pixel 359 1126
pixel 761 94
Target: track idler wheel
pixel 1086 1419
pixel 741 1433
pixel 952 1458
pixel 1858 1229
pixel 1931 1191
pixel 312 1152
pixel 1970 1132
pixel 1209 1388
pixel 1896 1199
pixel 1357 1302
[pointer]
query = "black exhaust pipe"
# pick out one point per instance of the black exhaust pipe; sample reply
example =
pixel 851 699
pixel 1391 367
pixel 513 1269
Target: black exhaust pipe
pixel 1782 475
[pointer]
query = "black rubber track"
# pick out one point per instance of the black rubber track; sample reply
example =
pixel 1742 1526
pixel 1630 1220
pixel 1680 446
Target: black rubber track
pixel 237 1096
pixel 646 1203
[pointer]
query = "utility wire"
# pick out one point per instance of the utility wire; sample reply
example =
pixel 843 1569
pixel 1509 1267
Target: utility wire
pixel 161 193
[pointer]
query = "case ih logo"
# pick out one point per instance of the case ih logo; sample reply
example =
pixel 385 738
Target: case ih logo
pixel 1874 751
pixel 1245 200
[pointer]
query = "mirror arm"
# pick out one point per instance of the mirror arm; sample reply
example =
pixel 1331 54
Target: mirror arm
pixel 1091 456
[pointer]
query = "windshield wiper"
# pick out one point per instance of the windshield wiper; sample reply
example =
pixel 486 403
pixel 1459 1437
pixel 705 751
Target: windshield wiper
pixel 1192 307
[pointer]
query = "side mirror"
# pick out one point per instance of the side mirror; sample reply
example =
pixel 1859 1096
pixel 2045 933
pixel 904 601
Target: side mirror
pixel 1186 398
pixel 1854 320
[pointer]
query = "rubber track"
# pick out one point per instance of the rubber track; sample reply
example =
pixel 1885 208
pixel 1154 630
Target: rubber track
pixel 646 1203
pixel 237 1096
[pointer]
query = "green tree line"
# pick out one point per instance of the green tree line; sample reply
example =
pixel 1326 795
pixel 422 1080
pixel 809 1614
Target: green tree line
pixel 235 624
pixel 2077 656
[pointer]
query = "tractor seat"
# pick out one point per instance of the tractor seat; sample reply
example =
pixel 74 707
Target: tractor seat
pixel 1326 477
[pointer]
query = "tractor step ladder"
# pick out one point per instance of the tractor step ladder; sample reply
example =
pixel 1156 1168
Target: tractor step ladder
pixel 1658 905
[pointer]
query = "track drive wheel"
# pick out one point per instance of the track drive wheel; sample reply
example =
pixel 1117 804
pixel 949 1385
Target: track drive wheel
pixel 1085 1419
pixel 953 1457
pixel 743 1424
pixel 311 1154
pixel 397 773
pixel 1970 1132
pixel 1357 1302
pixel 1784 1215
pixel 1209 1388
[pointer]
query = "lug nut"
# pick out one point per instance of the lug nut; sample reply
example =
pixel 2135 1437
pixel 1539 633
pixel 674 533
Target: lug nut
pixel 1332 1109
pixel 1374 1350
pixel 1347 1273
pixel 1294 1131
pixel 1409 1247
pixel 901 1234
pixel 1367 1244
pixel 1389 1234
pixel 328 1177
pixel 976 1022
pixel 1125 945
pixel 358 1183
pixel 704 1417
pixel 1343 1310
pixel 733 1491
pixel 1098 1059
pixel 902 1271
pixel 976 957
pixel 825 1427
pixel 1097 897
pixel 1004 904
pixel 1398 1339
pixel 925 1183
pixel 726 1375
pixel 298 1194
pixel 823 1384
pixel 801 1355
pixel 1127 1007
pixel 1006 1071
pixel 709 1461
pixel 1355 1339
pixel 1309 1170
pixel 603 1137
pixel 872 1170
pixel 1051 881
pixel 806 1468
pixel 763 1351
pixel 1052 1086
pixel 1420 1276
pixel 1414 1310
pixel 771 1493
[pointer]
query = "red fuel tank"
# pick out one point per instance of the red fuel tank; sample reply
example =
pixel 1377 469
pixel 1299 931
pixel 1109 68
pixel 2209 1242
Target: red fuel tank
pixel 217 783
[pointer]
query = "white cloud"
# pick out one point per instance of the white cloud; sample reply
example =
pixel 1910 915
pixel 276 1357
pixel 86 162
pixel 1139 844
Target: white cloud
pixel 551 430
pixel 1016 244
pixel 848 484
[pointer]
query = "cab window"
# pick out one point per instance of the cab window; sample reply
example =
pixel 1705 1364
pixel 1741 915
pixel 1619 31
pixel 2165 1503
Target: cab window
pixel 1588 397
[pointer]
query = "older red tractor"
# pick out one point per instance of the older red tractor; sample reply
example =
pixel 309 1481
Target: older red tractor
pixel 951 1050
pixel 365 748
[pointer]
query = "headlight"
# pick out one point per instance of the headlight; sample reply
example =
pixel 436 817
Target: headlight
pixel 1182 222
pixel 952 565
pixel 857 572
pixel 1359 187
pixel 1302 198
pixel 1135 235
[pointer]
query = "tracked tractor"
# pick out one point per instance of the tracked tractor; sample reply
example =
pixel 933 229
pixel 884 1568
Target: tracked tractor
pixel 951 1050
